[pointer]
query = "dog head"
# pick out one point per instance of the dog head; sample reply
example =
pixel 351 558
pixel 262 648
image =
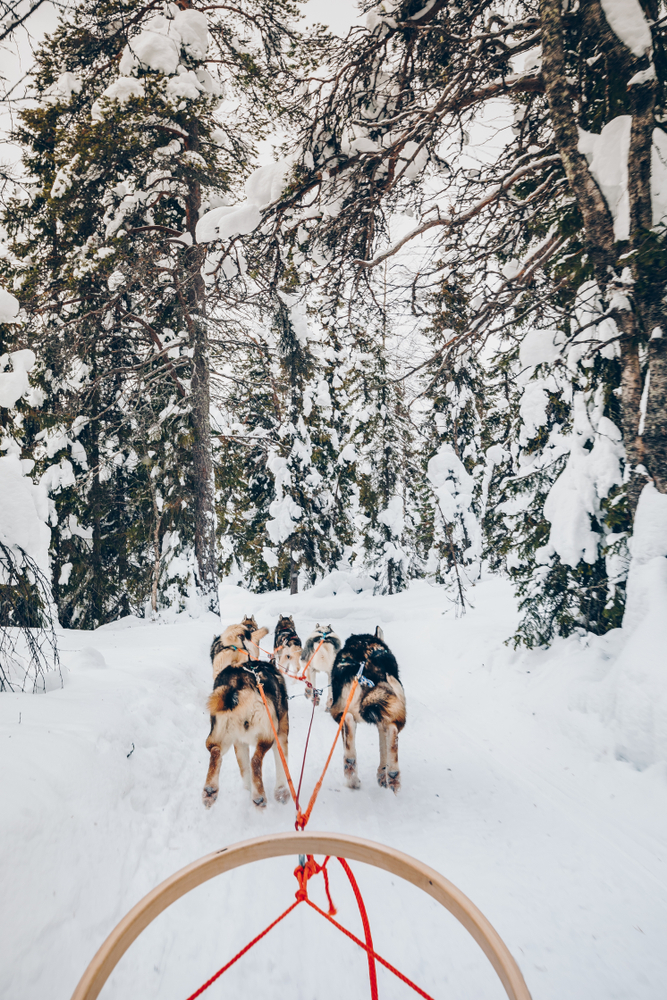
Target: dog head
pixel 287 644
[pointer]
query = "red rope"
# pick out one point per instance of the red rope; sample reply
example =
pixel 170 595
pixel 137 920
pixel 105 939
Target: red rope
pixel 378 958
pixel 303 762
pixel 305 669
pixel 242 952
pixel 303 873
pixel 372 974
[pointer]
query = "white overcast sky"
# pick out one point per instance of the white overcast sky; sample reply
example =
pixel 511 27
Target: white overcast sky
pixel 339 15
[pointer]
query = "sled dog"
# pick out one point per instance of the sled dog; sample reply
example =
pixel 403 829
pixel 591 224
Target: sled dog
pixel 236 644
pixel 318 654
pixel 239 718
pixel 379 699
pixel 286 645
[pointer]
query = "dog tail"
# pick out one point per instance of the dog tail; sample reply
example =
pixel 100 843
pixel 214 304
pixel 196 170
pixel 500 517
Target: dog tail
pixel 259 634
pixel 384 703
pixel 223 699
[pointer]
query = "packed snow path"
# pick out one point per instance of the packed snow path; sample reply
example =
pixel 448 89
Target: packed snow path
pixel 509 789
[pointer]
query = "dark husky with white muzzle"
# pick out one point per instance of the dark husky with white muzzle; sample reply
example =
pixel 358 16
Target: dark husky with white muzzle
pixel 379 700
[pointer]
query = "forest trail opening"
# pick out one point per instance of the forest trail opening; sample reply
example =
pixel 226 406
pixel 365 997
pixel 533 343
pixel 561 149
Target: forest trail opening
pixel 511 786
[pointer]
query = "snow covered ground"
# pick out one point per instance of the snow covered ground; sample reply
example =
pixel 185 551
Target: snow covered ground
pixel 512 788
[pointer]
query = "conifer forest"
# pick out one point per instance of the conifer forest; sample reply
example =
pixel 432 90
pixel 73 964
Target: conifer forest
pixel 278 303
pixel 333 432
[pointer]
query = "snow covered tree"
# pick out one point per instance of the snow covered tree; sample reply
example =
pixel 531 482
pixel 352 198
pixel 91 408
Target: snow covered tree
pixel 283 490
pixel 567 202
pixel 385 466
pixel 125 148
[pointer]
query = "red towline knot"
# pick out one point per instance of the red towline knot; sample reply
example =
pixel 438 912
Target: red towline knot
pixel 305 872
pixel 300 821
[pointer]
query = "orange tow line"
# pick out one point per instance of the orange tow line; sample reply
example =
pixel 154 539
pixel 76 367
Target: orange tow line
pixel 303 817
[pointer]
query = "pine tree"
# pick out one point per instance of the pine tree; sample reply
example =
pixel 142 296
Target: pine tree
pixel 126 150
pixel 285 504
pixel 386 469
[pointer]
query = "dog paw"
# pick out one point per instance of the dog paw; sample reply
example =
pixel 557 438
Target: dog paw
pixel 281 794
pixel 394 780
pixel 209 795
pixel 260 802
pixel 382 777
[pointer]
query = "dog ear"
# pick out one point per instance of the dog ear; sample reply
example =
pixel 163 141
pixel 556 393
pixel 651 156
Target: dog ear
pixel 317 626
pixel 379 634
pixel 329 628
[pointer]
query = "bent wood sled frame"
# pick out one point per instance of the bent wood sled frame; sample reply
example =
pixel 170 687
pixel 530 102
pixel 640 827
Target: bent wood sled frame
pixel 278 845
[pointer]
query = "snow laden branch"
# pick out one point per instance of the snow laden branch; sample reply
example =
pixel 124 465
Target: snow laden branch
pixel 459 220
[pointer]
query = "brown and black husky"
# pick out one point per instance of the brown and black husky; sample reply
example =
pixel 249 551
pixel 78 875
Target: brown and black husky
pixel 236 644
pixel 239 719
pixel 287 645
pixel 379 699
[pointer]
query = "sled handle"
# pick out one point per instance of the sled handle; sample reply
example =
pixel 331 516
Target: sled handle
pixel 278 845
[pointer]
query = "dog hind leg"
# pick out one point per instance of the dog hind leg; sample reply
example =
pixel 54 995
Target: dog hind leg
pixel 383 738
pixel 349 731
pixel 281 792
pixel 258 793
pixel 242 752
pixel 218 747
pixel 393 772
pixel 311 690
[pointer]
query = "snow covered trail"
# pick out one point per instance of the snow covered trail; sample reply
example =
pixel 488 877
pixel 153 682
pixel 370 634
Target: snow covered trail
pixel 509 789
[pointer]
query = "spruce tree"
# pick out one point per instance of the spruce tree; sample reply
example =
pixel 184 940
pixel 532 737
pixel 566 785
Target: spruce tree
pixel 125 149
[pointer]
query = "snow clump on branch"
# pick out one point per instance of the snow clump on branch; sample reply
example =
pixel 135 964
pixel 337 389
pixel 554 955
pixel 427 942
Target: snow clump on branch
pixel 263 187
pixel 166 45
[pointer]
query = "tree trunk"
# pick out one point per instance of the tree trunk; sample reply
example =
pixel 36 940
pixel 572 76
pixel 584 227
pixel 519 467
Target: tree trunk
pixel 598 222
pixel 655 421
pixel 157 521
pixel 645 438
pixel 202 472
pixel 200 403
